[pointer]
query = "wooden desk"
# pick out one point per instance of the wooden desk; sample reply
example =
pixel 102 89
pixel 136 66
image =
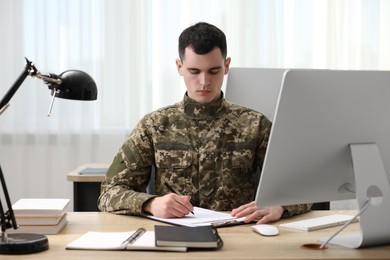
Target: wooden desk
pixel 86 188
pixel 240 242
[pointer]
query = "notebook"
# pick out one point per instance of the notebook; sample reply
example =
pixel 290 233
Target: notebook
pixel 115 241
pixel 191 237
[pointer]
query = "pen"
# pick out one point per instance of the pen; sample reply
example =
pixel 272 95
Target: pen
pixel 133 237
pixel 169 187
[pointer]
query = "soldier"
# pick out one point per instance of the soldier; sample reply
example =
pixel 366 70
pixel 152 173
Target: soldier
pixel 205 147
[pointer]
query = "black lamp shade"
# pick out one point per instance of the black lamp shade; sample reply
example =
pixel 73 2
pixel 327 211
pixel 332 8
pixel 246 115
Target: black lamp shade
pixel 77 85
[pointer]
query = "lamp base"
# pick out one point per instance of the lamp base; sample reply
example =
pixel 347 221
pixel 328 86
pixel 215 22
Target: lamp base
pixel 24 243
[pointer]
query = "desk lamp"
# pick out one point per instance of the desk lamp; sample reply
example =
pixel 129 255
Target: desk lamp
pixel 71 84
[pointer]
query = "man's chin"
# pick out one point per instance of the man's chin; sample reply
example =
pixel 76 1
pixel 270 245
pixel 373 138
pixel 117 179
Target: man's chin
pixel 203 100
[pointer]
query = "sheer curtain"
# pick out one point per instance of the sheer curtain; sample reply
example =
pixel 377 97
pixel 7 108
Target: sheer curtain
pixel 130 47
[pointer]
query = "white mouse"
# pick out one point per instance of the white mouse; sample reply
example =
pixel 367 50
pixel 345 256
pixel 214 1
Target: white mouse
pixel 265 229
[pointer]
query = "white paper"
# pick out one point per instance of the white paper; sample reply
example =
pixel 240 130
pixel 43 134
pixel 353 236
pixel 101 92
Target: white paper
pixel 201 217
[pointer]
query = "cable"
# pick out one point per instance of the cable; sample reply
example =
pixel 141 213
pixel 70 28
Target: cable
pixel 365 206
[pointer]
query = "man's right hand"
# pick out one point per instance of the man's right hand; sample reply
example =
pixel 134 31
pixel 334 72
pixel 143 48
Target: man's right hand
pixel 169 206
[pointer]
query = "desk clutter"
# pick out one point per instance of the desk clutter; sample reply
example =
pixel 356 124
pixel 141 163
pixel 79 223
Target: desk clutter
pixel 42 216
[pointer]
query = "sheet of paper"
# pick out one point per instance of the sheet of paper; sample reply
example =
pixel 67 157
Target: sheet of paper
pixel 100 241
pixel 201 217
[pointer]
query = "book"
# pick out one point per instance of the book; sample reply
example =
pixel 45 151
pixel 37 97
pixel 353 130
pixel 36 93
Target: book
pixel 191 237
pixel 202 217
pixel 41 229
pixel 40 207
pixel 38 220
pixel 115 241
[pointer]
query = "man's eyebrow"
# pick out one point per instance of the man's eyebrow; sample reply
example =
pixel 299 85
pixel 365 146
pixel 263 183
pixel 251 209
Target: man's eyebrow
pixel 212 68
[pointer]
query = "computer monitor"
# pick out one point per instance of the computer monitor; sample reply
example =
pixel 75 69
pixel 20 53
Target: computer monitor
pixel 330 140
pixel 255 88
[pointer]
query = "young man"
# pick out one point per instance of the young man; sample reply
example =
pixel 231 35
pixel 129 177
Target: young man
pixel 205 147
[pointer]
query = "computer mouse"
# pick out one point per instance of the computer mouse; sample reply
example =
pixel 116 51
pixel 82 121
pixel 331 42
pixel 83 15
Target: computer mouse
pixel 265 229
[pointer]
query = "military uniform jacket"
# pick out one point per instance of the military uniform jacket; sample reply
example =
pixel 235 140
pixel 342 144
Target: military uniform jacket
pixel 209 152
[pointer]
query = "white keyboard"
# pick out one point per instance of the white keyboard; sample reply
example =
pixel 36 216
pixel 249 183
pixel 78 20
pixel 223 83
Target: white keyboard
pixel 319 223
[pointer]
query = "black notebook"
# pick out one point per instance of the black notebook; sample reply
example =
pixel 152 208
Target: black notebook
pixel 191 237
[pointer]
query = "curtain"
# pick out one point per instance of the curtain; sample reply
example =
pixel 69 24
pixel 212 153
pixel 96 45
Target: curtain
pixel 129 47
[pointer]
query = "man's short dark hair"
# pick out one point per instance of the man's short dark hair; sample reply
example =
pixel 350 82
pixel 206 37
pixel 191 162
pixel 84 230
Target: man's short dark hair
pixel 202 38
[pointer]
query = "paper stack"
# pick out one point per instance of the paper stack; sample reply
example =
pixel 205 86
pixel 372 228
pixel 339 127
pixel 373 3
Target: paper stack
pixel 42 216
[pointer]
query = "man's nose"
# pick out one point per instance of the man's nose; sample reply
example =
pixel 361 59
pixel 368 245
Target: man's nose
pixel 204 79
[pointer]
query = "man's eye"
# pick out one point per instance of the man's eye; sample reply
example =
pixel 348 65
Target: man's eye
pixel 194 71
pixel 216 71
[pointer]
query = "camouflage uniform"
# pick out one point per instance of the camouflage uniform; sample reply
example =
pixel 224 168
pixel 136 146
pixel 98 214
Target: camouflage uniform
pixel 208 152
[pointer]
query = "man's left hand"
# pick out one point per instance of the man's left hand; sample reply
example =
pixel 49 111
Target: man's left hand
pixel 254 213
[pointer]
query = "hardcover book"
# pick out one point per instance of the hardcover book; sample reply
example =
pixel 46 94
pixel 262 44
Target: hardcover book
pixel 40 207
pixel 43 229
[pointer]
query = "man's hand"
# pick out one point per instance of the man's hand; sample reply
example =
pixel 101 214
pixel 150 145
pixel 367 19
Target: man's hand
pixel 261 215
pixel 169 206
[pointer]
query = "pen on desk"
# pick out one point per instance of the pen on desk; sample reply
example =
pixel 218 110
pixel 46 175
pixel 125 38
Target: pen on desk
pixel 169 187
pixel 131 239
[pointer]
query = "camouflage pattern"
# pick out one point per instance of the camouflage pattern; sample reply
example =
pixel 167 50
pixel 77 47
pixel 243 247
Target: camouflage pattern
pixel 208 152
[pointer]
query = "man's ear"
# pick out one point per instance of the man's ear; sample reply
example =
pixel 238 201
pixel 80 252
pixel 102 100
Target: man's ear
pixel 227 65
pixel 179 66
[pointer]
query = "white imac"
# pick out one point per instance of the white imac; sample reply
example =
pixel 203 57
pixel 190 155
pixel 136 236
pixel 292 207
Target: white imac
pixel 330 140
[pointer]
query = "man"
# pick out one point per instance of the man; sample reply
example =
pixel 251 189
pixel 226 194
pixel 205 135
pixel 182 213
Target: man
pixel 204 147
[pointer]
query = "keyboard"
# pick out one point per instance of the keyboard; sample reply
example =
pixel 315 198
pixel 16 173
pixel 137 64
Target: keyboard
pixel 319 222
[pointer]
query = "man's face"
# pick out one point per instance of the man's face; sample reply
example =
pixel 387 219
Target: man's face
pixel 203 74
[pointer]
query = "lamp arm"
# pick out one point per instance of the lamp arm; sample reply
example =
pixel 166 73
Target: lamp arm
pixel 4 102
pixel 31 70
pixel 7 218
pixel 52 78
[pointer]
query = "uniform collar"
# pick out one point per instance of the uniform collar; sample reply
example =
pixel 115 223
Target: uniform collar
pixel 208 111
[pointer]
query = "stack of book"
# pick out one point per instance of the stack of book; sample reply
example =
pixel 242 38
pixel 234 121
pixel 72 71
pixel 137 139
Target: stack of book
pixel 42 216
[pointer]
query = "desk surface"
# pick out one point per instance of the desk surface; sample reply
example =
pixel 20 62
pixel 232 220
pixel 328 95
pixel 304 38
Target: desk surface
pixel 240 242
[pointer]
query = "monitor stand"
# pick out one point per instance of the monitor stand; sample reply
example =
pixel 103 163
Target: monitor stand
pixel 372 183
